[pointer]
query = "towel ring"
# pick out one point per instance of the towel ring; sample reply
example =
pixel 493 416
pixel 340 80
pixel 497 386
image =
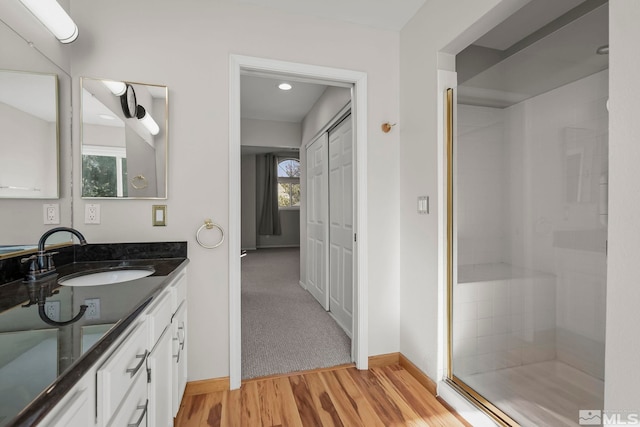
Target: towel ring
pixel 139 182
pixel 208 225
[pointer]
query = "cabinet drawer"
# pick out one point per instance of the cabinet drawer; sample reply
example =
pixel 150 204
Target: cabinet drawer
pixel 179 290
pixel 117 375
pixel 159 318
pixel 133 411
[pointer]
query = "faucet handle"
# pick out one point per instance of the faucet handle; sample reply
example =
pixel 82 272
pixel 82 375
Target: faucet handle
pixel 33 265
pixel 31 258
pixel 50 264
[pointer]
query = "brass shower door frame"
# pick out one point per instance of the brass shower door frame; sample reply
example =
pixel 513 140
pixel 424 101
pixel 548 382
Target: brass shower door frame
pixel 455 382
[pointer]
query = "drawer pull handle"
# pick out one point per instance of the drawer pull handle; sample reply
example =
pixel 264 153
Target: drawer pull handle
pixel 183 337
pixel 142 357
pixel 137 423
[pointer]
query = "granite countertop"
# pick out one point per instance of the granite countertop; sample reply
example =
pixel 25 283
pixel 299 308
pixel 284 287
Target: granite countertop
pixel 39 363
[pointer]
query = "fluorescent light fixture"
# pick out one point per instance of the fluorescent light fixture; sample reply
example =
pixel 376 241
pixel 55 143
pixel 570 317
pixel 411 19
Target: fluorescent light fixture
pixel 117 88
pixel 54 17
pixel 285 86
pixel 147 121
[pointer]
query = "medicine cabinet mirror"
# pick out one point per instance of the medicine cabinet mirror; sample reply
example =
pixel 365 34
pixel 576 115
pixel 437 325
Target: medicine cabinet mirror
pixel 124 139
pixel 29 123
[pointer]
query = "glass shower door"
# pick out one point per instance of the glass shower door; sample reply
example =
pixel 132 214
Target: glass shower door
pixel 528 232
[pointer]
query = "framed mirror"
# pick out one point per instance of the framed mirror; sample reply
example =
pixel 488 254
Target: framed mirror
pixel 124 139
pixel 36 159
pixel 29 123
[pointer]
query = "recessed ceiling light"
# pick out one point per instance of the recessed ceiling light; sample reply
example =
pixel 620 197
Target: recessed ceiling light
pixel 284 86
pixel 106 117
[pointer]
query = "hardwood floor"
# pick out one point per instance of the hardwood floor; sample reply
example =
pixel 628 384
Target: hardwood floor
pixel 382 396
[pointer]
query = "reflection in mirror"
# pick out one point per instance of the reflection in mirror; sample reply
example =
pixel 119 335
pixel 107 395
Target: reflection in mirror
pixel 29 123
pixel 21 212
pixel 124 140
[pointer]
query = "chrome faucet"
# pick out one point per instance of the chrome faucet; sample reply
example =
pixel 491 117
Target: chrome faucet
pixel 42 264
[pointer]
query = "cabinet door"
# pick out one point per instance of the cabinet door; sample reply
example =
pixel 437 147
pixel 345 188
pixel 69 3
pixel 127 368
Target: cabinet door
pixel 160 382
pixel 76 412
pixel 117 375
pixel 133 412
pixel 179 326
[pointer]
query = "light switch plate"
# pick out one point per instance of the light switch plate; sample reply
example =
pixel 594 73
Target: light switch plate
pixel 159 215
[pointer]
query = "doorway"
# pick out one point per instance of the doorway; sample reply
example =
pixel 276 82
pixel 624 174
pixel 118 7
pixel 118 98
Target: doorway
pixel 242 64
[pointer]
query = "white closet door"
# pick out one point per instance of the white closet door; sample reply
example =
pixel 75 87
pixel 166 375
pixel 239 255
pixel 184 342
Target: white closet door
pixel 317 223
pixel 341 224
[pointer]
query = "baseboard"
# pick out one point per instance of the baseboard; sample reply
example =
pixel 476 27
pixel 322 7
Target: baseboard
pixel 222 384
pixel 302 285
pixel 382 360
pixel 207 386
pixel 422 378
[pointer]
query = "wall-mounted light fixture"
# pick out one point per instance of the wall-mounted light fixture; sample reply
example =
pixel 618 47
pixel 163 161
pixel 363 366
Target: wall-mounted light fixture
pixel 54 17
pixel 117 88
pixel 147 121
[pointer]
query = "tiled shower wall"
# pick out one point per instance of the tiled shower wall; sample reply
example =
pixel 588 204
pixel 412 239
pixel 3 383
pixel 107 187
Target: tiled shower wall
pixel 529 195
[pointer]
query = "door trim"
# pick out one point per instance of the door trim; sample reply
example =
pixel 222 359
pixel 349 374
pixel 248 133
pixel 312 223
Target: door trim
pixel 237 65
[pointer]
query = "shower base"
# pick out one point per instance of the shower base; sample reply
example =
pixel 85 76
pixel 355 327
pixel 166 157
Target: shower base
pixel 540 394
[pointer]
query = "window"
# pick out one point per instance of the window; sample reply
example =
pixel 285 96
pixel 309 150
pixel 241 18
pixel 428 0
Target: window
pixel 104 171
pixel 288 183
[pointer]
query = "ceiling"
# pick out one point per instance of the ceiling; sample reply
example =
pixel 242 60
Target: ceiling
pixel 382 14
pixel 563 56
pixel 261 99
pixel 525 21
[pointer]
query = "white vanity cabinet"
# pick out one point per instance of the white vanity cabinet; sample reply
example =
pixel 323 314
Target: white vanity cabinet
pixel 179 330
pixel 179 341
pixel 117 376
pixel 159 373
pixel 141 381
pixel 77 407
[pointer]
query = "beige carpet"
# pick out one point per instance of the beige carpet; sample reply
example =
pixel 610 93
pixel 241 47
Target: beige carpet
pixel 284 329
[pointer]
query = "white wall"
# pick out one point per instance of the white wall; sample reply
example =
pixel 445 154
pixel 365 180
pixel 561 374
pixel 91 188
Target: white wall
pixel 186 46
pixel 332 100
pixel 481 187
pixel 622 373
pixel 32 144
pixel 268 133
pixel 436 25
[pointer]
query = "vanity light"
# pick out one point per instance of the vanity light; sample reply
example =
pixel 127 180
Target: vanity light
pixel 285 86
pixel 54 17
pixel 147 120
pixel 117 88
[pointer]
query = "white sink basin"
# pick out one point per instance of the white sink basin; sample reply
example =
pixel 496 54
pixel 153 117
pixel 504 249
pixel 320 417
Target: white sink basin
pixel 106 277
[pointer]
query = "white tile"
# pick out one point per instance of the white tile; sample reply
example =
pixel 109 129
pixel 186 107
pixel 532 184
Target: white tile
pixel 485 309
pixel 466 311
pixel 485 327
pixel 486 344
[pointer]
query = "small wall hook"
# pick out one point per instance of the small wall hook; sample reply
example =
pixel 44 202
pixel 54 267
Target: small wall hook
pixel 386 127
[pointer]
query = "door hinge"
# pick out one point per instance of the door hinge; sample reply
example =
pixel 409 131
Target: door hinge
pixel 148 375
pixel 355 237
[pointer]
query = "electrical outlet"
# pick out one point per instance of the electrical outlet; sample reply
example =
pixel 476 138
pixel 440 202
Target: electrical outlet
pixel 51 213
pixel 91 213
pixel 93 309
pixel 52 310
